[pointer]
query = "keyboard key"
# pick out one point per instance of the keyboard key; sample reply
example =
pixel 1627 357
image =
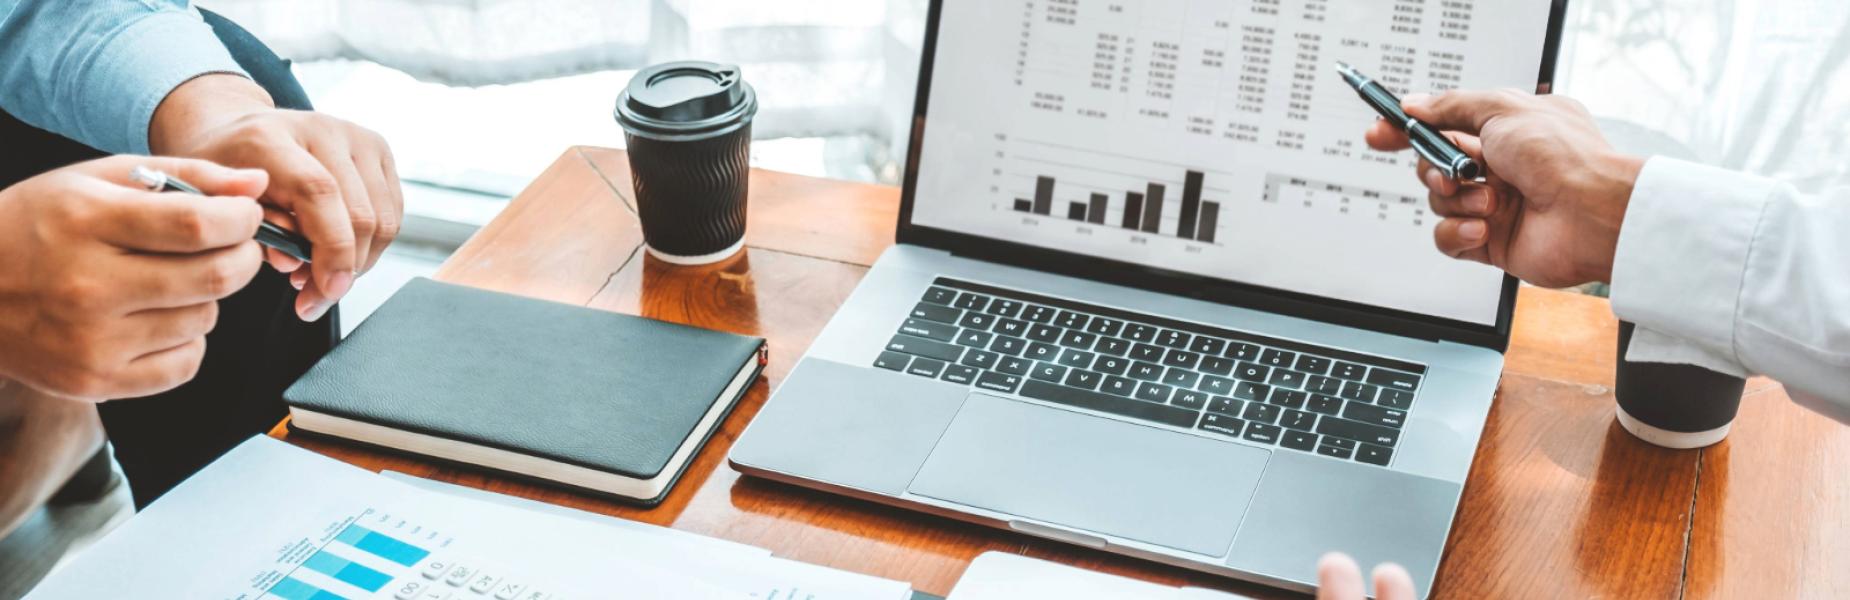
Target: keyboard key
pixel 1261 412
pixel 1173 339
pixel 1003 307
pixel 1277 358
pixel 976 320
pixel 1289 398
pixel 1072 320
pixel 1181 378
pixel 1221 386
pixel 460 575
pixel 1358 431
pixel 1139 333
pixel 509 591
pixel 1153 392
pixel 1251 372
pixel 935 312
pixel 1315 365
pixel 1044 333
pixel 1334 451
pixel 1226 406
pixel 1286 378
pixel 1111 365
pixel 974 338
pixel 925 367
pixel 1012 327
pixel 1076 358
pixel 1146 371
pixel 1207 345
pixel 971 301
pixel 1298 440
pixel 411 590
pixel 1189 399
pixel 1147 353
pixel 1349 371
pixel 1240 351
pixel 1014 365
pixel 1047 372
pixel 1374 455
pixel 1299 420
pixel 1394 379
pixel 931 330
pixel 1040 351
pixel 1113 346
pixel 1262 433
pixel 1012 346
pixel 938 295
pixel 1083 379
pixel 1181 358
pixel 1369 413
pixel 1392 398
pixel 434 569
pixel 1105 327
pixel 1075 338
pixel 483 582
pixel 999 382
pixel 1359 392
pixel 1222 424
pixel 1036 313
pixel 892 361
pixel 918 346
pixel 1107 403
pixel 960 374
pixel 1216 365
pixel 1119 385
pixel 1319 384
pixel 980 359
pixel 1247 390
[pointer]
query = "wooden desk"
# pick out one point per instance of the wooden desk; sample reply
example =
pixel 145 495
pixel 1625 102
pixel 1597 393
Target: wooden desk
pixel 1560 502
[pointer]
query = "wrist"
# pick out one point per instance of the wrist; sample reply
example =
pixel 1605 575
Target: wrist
pixel 1608 194
pixel 203 104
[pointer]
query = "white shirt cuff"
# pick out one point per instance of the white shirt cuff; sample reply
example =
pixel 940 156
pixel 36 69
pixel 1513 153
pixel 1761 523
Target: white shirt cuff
pixel 1681 260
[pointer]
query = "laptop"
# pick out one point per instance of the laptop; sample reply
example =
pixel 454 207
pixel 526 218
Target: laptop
pixel 1152 294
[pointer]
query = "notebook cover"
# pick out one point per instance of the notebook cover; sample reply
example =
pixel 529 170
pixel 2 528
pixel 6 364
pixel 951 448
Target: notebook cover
pixel 590 388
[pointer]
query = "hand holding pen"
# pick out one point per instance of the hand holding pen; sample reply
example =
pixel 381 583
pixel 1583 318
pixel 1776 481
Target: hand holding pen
pixel 268 234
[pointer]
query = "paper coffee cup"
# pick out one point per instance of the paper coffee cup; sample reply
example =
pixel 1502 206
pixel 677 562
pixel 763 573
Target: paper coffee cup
pixel 1674 406
pixel 689 128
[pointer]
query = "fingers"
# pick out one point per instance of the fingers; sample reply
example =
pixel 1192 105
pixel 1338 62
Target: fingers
pixel 160 370
pixel 1474 200
pixel 176 223
pixel 306 188
pixel 388 205
pixel 283 263
pixel 337 157
pixel 1461 110
pixel 170 327
pixel 1384 136
pixel 1338 578
pixel 1393 583
pixel 1463 239
pixel 156 281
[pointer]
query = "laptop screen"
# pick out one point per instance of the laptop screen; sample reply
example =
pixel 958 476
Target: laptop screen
pixel 1213 137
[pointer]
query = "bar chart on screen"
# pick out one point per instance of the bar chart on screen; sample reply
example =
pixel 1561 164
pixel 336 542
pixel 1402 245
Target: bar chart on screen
pixel 1100 190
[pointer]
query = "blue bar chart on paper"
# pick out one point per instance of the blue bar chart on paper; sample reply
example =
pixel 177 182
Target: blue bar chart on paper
pixel 359 559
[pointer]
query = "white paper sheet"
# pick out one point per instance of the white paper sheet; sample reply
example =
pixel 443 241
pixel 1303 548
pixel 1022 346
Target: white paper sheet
pixel 1004 576
pixel 273 521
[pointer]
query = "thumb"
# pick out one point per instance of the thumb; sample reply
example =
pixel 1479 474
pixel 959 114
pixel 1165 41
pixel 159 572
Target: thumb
pixel 1461 110
pixel 211 178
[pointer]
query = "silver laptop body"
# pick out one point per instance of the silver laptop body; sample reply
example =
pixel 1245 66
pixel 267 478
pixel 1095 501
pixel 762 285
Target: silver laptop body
pixel 1230 348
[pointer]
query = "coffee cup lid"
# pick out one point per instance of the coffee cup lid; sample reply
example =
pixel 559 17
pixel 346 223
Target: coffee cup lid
pixel 688 97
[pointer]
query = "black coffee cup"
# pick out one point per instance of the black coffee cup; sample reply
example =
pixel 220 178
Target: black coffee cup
pixel 689 127
pixel 1674 406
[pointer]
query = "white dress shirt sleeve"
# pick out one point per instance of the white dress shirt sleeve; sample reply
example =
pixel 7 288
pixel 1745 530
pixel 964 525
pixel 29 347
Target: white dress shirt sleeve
pixel 1739 274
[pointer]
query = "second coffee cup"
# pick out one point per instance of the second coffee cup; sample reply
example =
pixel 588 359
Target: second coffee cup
pixel 689 129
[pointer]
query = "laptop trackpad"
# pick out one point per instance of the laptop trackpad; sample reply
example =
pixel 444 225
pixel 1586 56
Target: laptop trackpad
pixel 1093 474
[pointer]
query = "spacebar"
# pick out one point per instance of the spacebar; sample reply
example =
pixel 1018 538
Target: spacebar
pixel 1117 405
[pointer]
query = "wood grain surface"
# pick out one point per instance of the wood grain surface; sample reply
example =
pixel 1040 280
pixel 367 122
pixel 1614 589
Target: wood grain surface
pixel 1560 501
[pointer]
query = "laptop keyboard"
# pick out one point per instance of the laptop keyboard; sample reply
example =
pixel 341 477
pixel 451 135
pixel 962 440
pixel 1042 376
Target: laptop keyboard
pixel 1274 392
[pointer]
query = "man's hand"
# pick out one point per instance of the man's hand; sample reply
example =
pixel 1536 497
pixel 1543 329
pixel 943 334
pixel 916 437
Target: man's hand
pixel 332 180
pixel 108 290
pixel 1555 195
pixel 1339 579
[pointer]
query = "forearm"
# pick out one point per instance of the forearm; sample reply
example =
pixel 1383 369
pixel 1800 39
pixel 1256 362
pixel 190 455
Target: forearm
pixel 1739 274
pixel 201 105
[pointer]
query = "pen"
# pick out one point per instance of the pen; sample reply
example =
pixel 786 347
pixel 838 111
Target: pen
pixel 283 240
pixel 1432 146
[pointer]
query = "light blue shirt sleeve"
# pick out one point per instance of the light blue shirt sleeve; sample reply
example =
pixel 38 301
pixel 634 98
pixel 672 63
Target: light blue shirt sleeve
pixel 95 70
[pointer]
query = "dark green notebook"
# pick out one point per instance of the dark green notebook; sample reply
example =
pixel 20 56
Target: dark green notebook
pixel 595 400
